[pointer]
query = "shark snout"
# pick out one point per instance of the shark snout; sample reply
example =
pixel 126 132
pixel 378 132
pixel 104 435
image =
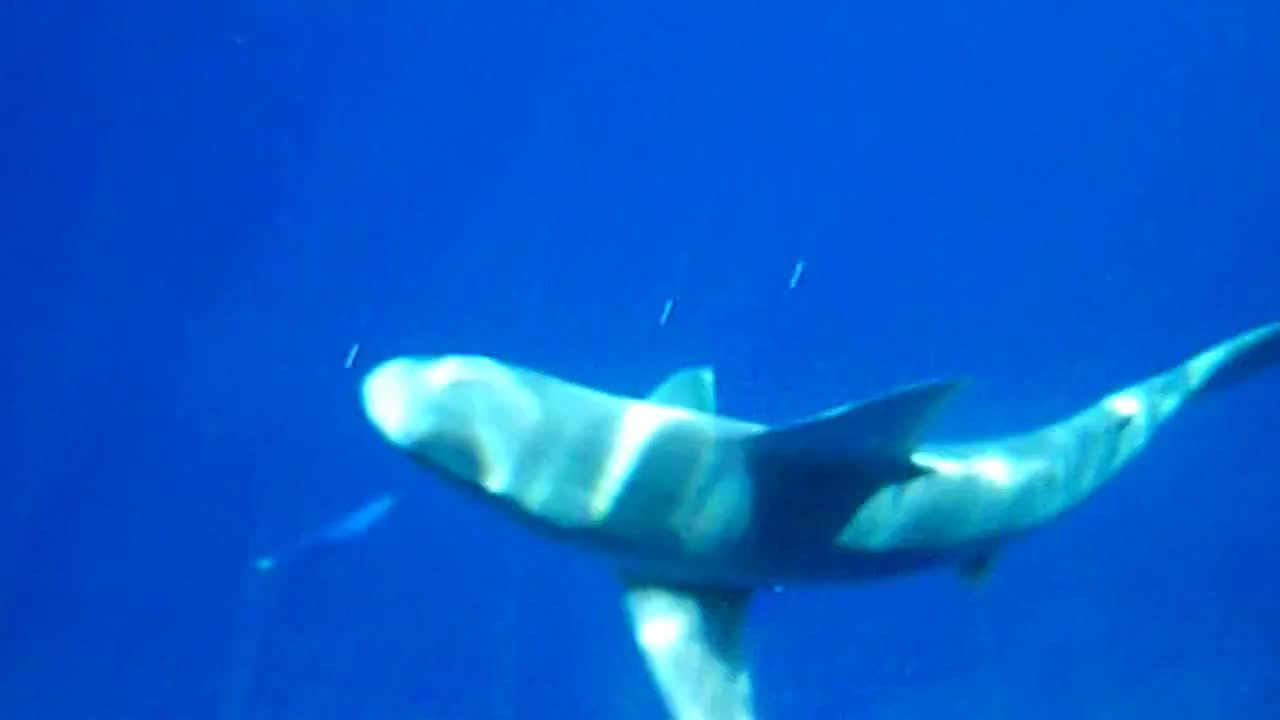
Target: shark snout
pixel 392 398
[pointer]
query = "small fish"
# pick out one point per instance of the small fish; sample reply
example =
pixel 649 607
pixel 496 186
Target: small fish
pixel 361 520
pixel 351 525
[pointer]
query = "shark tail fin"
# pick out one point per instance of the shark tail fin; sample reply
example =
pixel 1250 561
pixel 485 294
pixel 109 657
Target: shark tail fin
pixel 1234 360
pixel 1217 368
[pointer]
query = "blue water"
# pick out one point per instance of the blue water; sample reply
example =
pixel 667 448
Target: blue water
pixel 206 204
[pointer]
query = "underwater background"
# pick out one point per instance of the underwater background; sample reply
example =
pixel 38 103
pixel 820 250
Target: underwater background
pixel 207 205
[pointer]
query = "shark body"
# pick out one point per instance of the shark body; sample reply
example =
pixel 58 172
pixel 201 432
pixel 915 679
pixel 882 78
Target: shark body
pixel 697 511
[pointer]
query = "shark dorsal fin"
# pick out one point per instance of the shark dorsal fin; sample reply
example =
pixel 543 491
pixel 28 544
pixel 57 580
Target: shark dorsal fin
pixel 977 569
pixel 691 640
pixel 692 388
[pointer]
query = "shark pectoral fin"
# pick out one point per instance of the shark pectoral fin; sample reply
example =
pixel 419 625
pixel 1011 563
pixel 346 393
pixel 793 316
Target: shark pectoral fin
pixel 889 424
pixel 1236 359
pixel 692 643
pixel 811 475
pixel 863 446
pixel 692 388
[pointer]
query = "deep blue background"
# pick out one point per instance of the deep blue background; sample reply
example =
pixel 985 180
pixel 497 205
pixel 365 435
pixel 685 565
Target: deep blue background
pixel 204 205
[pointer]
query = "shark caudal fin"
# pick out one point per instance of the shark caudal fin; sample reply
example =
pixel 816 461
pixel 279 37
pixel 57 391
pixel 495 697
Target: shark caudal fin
pixel 691 640
pixel 1234 360
pixel 1151 402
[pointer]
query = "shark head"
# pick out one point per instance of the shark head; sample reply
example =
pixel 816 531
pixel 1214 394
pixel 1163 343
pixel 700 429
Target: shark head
pixel 463 415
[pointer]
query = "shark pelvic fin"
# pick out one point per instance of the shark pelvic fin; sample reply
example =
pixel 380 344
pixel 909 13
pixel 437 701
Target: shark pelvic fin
pixel 977 569
pixel 691 388
pixel 691 640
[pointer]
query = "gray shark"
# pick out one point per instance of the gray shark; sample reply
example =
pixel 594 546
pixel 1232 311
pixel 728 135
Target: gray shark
pixel 698 511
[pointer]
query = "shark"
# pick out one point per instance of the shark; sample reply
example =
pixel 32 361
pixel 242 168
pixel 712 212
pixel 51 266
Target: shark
pixel 697 511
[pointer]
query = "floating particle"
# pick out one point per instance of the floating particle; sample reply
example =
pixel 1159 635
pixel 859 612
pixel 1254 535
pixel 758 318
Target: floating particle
pixel 666 311
pixel 351 356
pixel 796 273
